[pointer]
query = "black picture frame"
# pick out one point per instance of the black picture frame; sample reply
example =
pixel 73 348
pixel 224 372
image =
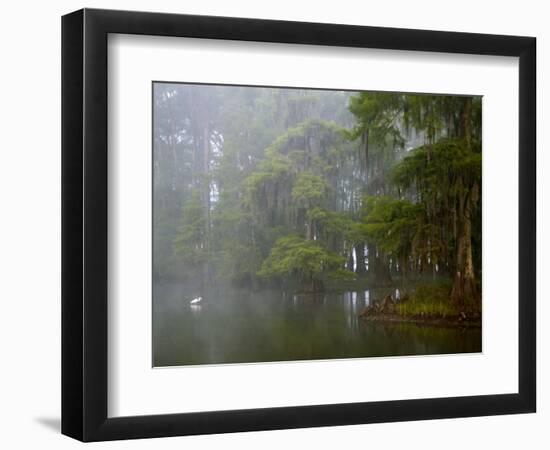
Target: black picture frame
pixel 84 224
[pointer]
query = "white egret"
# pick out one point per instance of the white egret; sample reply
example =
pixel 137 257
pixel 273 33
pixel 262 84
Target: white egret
pixel 196 300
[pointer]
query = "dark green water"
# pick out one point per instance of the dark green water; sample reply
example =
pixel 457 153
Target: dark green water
pixel 233 326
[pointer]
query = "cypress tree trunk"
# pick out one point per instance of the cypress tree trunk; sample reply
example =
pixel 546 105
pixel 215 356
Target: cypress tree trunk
pixel 464 284
pixel 349 263
pixel 361 268
pixel 379 267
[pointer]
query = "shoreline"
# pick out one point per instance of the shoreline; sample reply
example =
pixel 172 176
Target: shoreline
pixel 447 322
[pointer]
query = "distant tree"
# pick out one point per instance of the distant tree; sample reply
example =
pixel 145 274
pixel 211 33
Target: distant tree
pixel 305 260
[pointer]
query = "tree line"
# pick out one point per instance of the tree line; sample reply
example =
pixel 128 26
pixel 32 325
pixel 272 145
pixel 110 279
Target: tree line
pixel 300 189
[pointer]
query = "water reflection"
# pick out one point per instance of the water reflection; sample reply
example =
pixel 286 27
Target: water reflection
pixel 243 326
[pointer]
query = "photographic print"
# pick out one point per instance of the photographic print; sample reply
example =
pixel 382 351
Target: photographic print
pixel 306 224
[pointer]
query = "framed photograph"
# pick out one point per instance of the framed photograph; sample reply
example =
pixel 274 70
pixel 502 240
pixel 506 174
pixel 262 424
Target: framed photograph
pixel 273 224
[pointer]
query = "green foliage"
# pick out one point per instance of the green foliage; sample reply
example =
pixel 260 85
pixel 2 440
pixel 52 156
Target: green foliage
pixel 435 168
pixel 332 223
pixel 275 169
pixel 294 186
pixel 294 256
pixel 378 114
pixel 442 176
pixel 429 300
pixel 297 136
pixel 391 223
pixel 309 190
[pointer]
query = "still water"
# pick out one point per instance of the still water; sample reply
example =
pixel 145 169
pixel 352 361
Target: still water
pixel 236 326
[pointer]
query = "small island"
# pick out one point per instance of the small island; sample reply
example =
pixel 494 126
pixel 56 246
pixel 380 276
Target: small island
pixel 427 305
